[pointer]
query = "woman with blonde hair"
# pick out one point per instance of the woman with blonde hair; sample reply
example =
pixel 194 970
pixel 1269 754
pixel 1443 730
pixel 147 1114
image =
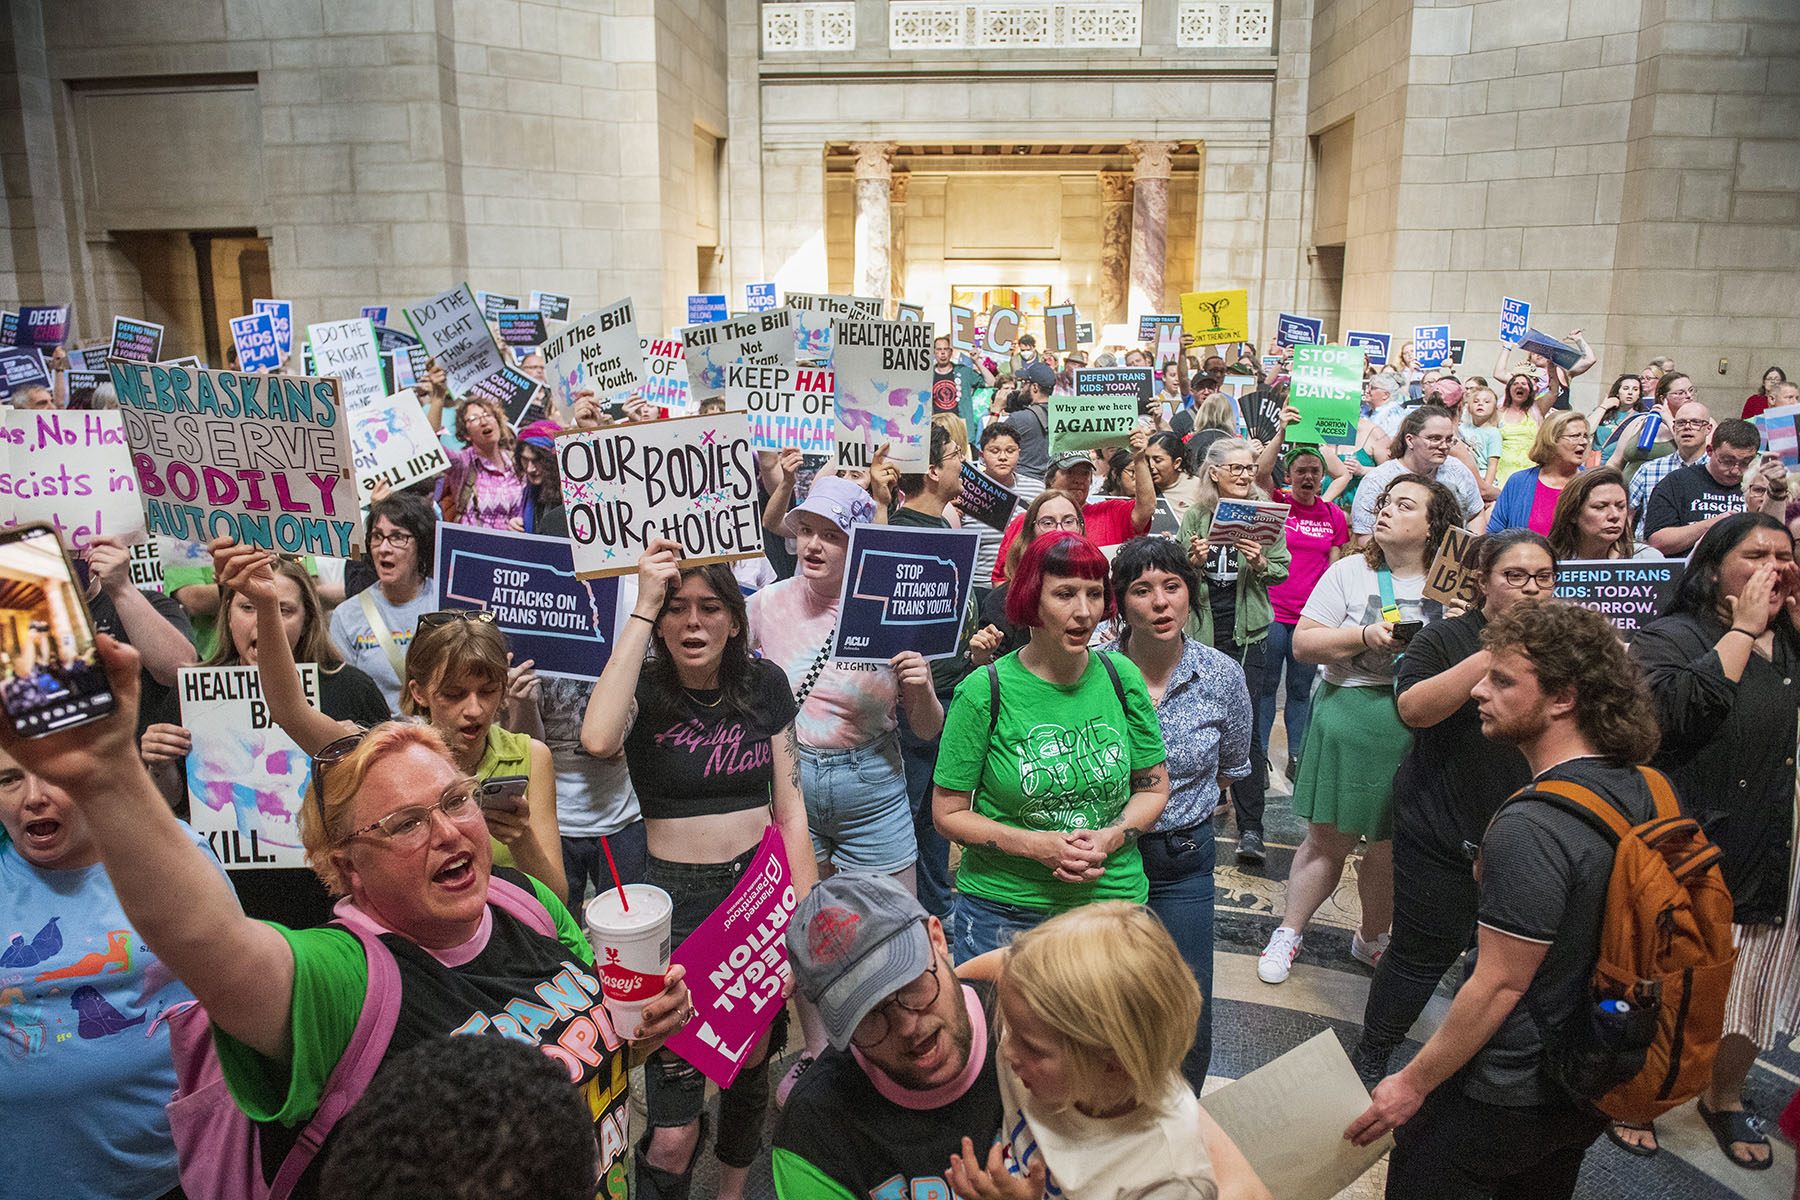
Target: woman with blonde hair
pixel 1528 499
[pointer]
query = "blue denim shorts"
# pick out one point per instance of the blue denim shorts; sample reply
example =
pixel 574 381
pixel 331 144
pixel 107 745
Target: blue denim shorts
pixel 856 806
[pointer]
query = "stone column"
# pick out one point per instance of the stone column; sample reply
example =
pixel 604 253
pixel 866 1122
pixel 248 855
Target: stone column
pixel 897 243
pixel 874 222
pixel 1115 245
pixel 1149 223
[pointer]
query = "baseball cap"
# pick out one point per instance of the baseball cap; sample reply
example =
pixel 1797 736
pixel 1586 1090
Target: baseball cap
pixel 856 939
pixel 1040 374
pixel 837 500
pixel 1070 458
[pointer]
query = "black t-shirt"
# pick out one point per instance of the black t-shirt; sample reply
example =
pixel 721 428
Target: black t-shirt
pixel 839 1123
pixel 944 389
pixel 1544 878
pixel 708 758
pixel 156 704
pixel 1688 495
pixel 1452 780
pixel 1221 571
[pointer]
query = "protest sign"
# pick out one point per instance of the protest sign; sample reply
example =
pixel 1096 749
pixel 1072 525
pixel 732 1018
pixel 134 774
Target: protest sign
pixel 1560 353
pixel 246 779
pixel 1258 520
pixel 281 317
pixel 82 385
pixel 737 966
pixel 409 365
pixel 1327 392
pixel 1629 592
pixel 391 340
pixel 1515 318
pixel 90 358
pixel 908 312
pixel 1168 345
pixel 789 407
pixel 44 326
pixel 1457 346
pixel 553 306
pixel 882 372
pixel 665 375
pixel 262 459
pixel 346 351
pixel 565 625
pixel 254 339
pixel 905 588
pixel 759 297
pixel 523 327
pixel 985 500
pixel 963 334
pixel 391 442
pixel 1213 317
pixel 690 479
pixel 1084 333
pixel 191 362
pixel 1150 323
pixel 1002 330
pixel 1431 345
pixel 515 392
pixel 1059 328
pixel 136 341
pixel 72 470
pixel 376 313
pixel 21 367
pixel 1779 435
pixel 494 303
pixel 706 308
pixel 1298 331
pixel 1373 345
pixel 9 327
pixel 1092 418
pixel 450 325
pixel 762 338
pixel 1136 382
pixel 146 565
pixel 601 353
pixel 813 313
pixel 1452 577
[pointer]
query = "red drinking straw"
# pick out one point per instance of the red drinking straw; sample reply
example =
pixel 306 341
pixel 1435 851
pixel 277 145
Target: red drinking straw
pixel 617 882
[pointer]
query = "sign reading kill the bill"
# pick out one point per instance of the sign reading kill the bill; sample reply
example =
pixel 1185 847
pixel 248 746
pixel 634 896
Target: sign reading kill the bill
pixel 765 339
pixel 453 328
pixel 391 442
pixel 883 381
pixel 262 459
pixel 813 314
pixel 598 352
pixel 689 479
pixel 789 408
pixel 246 778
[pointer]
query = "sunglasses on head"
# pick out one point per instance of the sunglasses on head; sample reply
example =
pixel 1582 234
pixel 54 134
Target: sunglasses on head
pixel 328 757
pixel 450 616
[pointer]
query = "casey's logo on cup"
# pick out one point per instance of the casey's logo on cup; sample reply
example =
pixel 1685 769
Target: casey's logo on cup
pixel 622 983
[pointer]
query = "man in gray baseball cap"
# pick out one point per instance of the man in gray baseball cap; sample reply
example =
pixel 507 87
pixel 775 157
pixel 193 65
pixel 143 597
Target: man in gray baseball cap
pixel 910 1069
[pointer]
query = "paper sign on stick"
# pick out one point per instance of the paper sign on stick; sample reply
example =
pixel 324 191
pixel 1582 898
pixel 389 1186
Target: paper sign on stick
pixel 136 341
pixel 72 470
pixel 553 306
pixel 1298 331
pixel 761 338
pixel 789 408
pixel 599 352
pixel 689 479
pixel 246 778
pixel 1327 392
pixel 346 351
pixel 1431 345
pixel 905 588
pixel 451 326
pixel 391 442
pixel 812 320
pixel 562 623
pixel 281 316
pixel 882 372
pixel 1213 317
pixel 522 327
pixel 1452 577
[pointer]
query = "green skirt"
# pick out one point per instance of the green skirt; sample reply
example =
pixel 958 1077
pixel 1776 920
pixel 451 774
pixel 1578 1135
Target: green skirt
pixel 1354 745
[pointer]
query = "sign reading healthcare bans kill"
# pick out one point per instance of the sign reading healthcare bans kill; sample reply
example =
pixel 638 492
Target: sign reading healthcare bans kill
pixel 790 408
pixel 883 380
pixel 1102 412
pixel 262 459
pixel 246 778
pixel 905 588
pixel 563 624
pixel 689 479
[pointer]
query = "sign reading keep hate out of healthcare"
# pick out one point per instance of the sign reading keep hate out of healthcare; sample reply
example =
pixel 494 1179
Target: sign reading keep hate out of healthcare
pixel 789 407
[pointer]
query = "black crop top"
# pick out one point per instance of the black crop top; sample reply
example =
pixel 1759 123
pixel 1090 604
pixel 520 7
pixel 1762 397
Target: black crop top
pixel 708 759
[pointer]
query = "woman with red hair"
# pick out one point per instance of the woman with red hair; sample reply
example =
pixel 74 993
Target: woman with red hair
pixel 1051 763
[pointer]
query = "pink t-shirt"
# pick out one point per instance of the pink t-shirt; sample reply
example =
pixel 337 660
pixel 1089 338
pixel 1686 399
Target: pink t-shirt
pixel 853 703
pixel 1543 507
pixel 1108 523
pixel 1312 532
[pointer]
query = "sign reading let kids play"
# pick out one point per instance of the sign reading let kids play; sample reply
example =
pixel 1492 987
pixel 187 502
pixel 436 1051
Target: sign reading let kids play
pixel 264 459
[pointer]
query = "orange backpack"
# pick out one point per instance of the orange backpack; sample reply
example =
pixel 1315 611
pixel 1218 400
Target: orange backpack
pixel 1647 1043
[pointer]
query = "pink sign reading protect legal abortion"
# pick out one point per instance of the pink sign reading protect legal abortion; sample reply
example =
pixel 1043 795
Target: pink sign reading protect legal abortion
pixel 737 965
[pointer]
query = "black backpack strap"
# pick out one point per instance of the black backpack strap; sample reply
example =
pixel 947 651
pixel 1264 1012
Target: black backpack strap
pixel 993 674
pixel 1112 673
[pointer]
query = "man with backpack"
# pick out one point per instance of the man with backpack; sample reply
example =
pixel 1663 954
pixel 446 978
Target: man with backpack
pixel 1550 1029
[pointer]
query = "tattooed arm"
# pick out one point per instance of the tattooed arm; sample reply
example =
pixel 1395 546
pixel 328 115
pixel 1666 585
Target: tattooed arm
pixel 790 810
pixel 1149 792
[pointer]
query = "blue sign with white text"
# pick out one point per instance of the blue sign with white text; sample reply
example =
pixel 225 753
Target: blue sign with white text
pixel 905 588
pixel 703 310
pixel 21 367
pixel 1431 345
pixel 281 316
pixel 1515 319
pixel 1299 331
pixel 254 337
pixel 376 313
pixel 563 624
pixel 759 297
pixel 1374 345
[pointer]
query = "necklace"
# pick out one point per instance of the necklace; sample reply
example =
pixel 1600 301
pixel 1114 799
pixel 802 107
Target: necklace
pixel 704 703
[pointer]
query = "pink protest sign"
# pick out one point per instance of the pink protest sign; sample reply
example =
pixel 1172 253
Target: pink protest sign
pixel 737 965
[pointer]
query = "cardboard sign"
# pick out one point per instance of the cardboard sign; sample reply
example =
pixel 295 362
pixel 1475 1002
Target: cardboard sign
pixel 766 339
pixel 600 352
pixel 254 339
pixel 1373 345
pixel 376 313
pixel 1298 331
pixel 1149 324
pixel 1059 328
pixel 1258 520
pixel 704 309
pixel 136 341
pixel 553 306
pixel 789 407
pixel 1431 345
pixel 391 442
pixel 1515 319
pixel 908 312
pixel 1136 382
pixel 1213 317
pixel 21 367
pixel 665 375
pixel 263 459
pixel 246 779
pixel 1002 330
pixel 813 314
pixel 1560 353
pixel 281 316
pixel 905 588
pixel 985 500
pixel 882 372
pixel 737 966
pixel 45 326
pixel 72 470
pixel 450 325
pixel 1327 391
pixel 1453 577
pixel 346 351
pixel 516 393
pixel 523 327
pixel 146 565
pixel 1090 419
pixel 690 479
pixel 564 624
pixel 759 297
pixel 962 333
pixel 1629 592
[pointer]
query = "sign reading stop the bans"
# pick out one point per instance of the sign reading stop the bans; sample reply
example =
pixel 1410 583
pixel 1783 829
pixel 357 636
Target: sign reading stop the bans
pixel 1327 391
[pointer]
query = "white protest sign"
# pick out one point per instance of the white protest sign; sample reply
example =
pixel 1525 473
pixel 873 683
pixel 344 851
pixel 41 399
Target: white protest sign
pixel 689 479
pixel 599 352
pixel 246 778
pixel 813 313
pixel 883 380
pixel 453 329
pixel 761 338
pixel 391 442
pixel 347 352
pixel 146 566
pixel 665 375
pixel 789 408
pixel 72 470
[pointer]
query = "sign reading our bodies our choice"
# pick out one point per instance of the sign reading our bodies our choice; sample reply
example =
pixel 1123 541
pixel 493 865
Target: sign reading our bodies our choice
pixel 563 624
pixel 905 588
pixel 789 408
pixel 263 459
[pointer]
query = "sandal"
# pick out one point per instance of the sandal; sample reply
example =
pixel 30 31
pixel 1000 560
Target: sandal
pixel 1632 1148
pixel 1739 1126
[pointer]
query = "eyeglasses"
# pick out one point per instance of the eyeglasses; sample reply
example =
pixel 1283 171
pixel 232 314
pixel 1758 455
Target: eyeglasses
pixel 400 538
pixel 408 828
pixel 1072 521
pixel 1518 577
pixel 1236 468
pixel 1692 424
pixel 1575 437
pixel 450 616
pixel 916 997
pixel 1437 441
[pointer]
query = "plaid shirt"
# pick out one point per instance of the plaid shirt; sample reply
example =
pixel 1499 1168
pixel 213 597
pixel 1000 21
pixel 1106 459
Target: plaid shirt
pixel 1645 481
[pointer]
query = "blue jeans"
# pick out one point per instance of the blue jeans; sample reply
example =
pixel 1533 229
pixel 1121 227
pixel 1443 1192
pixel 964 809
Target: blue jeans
pixel 1278 654
pixel 857 808
pixel 584 862
pixel 1180 867
pixel 977 925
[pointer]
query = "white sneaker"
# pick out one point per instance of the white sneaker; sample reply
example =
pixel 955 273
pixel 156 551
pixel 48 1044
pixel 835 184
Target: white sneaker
pixel 1367 952
pixel 1278 956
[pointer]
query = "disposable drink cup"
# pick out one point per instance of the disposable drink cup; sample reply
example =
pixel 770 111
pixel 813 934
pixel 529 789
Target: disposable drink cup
pixel 631 950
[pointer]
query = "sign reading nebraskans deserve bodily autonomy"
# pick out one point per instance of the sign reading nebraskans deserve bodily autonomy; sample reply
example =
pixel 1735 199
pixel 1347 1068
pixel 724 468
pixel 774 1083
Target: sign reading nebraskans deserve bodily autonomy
pixel 689 479
pixel 264 459
pixel 883 381
pixel 905 588
pixel 565 625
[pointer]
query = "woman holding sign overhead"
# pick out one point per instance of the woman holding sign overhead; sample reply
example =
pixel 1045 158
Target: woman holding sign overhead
pixel 708 734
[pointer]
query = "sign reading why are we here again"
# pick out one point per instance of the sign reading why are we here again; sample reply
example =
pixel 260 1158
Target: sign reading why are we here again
pixel 264 459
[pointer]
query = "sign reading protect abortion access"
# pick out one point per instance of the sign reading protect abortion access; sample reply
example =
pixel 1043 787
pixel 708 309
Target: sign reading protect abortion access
pixel 905 588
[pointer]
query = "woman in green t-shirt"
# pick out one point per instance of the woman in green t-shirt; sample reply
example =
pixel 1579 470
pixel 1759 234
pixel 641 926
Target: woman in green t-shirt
pixel 1051 761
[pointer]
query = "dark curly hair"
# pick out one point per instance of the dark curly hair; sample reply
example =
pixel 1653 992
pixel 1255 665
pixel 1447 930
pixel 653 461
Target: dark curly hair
pixel 1576 650
pixel 1149 553
pixel 1697 591
pixel 734 669
pixel 1443 512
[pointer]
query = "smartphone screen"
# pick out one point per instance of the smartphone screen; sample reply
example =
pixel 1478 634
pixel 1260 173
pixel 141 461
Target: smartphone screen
pixel 504 793
pixel 50 675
